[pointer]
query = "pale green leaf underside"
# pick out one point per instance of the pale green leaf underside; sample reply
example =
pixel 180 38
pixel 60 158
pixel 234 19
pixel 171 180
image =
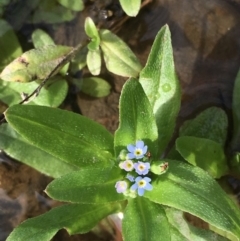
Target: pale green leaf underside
pixel 118 57
pixel 94 61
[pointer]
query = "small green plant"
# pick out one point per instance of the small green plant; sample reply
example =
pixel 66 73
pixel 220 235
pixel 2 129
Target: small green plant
pixel 98 174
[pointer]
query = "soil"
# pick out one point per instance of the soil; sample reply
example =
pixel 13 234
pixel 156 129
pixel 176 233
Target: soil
pixel 206 44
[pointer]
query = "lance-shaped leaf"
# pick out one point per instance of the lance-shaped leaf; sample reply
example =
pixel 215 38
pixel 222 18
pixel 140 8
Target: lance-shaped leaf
pixel 131 7
pixel 75 218
pixel 15 146
pixel 92 32
pixel 118 57
pixel 204 153
pixel 236 114
pixel 183 231
pixel 69 137
pixel 89 185
pixel 52 94
pixel 37 63
pixel 211 123
pixel 161 86
pixel 10 47
pixel 40 38
pixel 192 190
pixel 137 121
pixel 145 220
pixel 94 61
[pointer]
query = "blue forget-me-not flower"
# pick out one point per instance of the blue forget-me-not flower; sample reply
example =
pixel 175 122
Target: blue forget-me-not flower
pixel 142 168
pixel 137 151
pixel 141 184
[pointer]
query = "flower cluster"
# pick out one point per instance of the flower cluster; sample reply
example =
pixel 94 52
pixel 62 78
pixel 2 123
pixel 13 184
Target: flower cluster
pixel 137 167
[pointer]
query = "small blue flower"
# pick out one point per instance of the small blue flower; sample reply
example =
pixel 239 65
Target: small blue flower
pixel 126 165
pixel 142 168
pixel 130 177
pixel 121 186
pixel 141 184
pixel 138 151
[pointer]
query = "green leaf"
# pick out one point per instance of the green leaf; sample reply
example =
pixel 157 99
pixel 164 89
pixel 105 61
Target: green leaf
pixel 94 86
pixel 36 63
pixel 229 236
pixel 136 119
pixel 69 137
pixel 183 231
pixel 161 86
pixel 145 221
pixel 94 61
pixel 131 7
pixel 52 94
pixel 75 5
pixel 204 153
pixel 40 38
pixel 10 47
pixel 236 114
pixel 51 12
pixel 118 57
pixel 89 185
pixel 15 146
pixel 192 190
pixel 211 123
pixel 73 217
pixel 92 32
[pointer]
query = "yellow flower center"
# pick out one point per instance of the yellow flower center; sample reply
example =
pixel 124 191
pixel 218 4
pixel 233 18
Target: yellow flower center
pixel 141 183
pixel 138 152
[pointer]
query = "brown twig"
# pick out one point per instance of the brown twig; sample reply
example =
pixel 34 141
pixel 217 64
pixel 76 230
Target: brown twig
pixel 36 92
